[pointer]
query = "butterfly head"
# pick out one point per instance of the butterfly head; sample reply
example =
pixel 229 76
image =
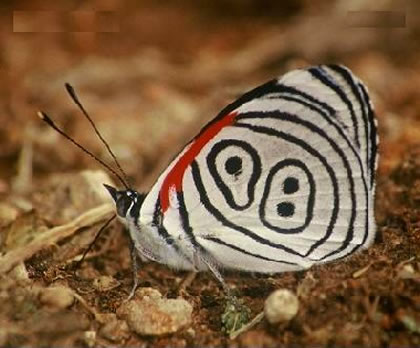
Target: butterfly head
pixel 128 202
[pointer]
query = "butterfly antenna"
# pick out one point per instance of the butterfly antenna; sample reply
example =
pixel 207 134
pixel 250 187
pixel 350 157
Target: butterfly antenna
pixel 105 225
pixel 73 95
pixel 44 117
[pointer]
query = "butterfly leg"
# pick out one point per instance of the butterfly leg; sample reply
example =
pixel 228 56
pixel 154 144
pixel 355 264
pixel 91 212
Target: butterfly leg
pixel 135 268
pixel 136 252
pixel 135 265
pixel 235 314
pixel 212 266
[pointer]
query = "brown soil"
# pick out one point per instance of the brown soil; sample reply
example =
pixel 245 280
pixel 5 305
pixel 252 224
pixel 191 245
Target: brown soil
pixel 151 75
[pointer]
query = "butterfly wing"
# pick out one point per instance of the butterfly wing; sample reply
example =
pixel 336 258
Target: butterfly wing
pixel 280 179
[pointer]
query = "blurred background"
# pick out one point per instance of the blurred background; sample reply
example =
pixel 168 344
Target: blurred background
pixel 151 74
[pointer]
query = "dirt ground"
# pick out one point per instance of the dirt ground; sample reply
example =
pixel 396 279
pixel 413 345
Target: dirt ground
pixel 151 75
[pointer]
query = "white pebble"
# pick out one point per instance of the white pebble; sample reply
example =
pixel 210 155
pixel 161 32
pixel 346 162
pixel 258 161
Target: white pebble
pixel 282 305
pixel 150 314
pixel 105 283
pixel 57 296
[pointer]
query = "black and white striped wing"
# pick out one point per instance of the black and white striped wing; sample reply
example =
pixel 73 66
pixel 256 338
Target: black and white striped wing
pixel 279 180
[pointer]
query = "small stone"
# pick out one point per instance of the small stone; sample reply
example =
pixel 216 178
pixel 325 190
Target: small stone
pixel 90 338
pixel 105 283
pixel 57 296
pixel 8 213
pixel 150 314
pixel 20 273
pixel 191 332
pixel 115 330
pixel 104 318
pixel 282 305
pixel 148 293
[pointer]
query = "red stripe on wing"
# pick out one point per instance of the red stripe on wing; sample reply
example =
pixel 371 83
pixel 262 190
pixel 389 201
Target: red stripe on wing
pixel 173 179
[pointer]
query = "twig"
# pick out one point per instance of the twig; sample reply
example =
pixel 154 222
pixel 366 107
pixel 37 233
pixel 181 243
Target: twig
pixel 23 181
pixel 247 326
pixel 53 235
pixel 186 282
pixel 103 249
pixel 362 271
pixel 87 307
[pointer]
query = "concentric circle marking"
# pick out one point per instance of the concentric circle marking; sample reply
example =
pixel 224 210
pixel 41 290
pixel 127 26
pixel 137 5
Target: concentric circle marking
pixel 235 164
pixel 283 198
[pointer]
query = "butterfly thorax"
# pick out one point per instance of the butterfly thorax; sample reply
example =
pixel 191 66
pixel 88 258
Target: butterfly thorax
pixel 146 232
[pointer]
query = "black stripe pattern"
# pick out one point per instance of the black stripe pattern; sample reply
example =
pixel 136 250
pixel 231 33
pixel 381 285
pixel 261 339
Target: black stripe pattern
pixel 290 183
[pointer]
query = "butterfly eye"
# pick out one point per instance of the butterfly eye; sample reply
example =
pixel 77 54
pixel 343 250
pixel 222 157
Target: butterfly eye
pixel 233 165
pixel 123 204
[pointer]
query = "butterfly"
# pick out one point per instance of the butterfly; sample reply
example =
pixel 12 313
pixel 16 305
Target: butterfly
pixel 281 179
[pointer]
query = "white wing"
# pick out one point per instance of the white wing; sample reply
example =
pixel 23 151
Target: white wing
pixel 280 180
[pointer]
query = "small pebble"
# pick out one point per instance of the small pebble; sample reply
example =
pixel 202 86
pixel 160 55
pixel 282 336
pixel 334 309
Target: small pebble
pixel 8 213
pixel 20 273
pixel 148 293
pixel 57 296
pixel 105 283
pixel 104 318
pixel 115 330
pixel 191 332
pixel 150 314
pixel 282 305
pixel 90 338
